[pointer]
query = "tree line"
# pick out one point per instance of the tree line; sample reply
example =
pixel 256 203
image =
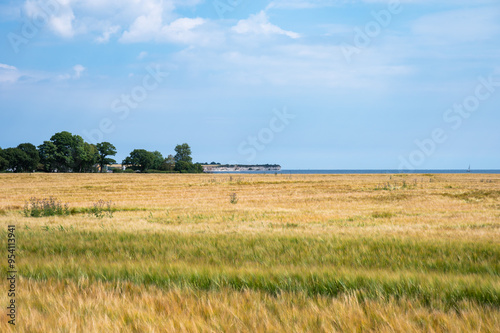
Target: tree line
pixel 65 152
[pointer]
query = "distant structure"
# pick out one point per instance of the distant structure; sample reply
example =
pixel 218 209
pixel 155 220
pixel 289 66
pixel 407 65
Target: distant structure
pixel 235 167
pixel 109 168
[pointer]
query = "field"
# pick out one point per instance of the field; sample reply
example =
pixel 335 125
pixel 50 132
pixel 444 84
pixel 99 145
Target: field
pixel 255 253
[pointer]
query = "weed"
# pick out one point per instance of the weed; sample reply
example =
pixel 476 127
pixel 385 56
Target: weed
pixel 233 198
pixel 35 207
pixel 100 209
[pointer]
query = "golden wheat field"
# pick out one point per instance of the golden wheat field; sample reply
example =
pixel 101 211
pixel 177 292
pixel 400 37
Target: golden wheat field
pixel 254 253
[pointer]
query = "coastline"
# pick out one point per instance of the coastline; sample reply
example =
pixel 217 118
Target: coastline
pixel 360 172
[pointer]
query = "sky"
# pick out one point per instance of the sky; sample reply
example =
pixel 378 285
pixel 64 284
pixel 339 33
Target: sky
pixel 307 84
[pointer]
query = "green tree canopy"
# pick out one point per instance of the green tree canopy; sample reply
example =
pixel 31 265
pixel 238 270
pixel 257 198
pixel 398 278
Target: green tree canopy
pixel 15 158
pixel 186 167
pixel 105 149
pixel 29 163
pixel 48 151
pixel 168 163
pixel 157 161
pixel 140 159
pixel 23 158
pixel 73 154
pixel 183 153
pixel 65 146
pixel 86 158
pixel 3 162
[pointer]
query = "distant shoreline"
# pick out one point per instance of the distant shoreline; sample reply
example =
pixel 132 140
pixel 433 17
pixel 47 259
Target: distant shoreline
pixel 362 172
pixel 211 168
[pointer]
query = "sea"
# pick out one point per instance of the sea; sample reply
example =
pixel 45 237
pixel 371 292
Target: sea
pixel 361 172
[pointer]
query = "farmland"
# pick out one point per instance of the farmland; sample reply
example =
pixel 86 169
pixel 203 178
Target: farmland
pixel 249 253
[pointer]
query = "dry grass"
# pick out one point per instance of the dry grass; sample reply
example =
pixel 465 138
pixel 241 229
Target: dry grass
pixel 327 253
pixel 103 307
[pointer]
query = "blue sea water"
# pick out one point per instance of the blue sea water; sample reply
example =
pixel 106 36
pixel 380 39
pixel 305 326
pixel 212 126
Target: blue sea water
pixel 363 172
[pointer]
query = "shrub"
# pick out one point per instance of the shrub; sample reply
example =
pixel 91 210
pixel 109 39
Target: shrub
pixel 101 208
pixel 35 207
pixel 233 198
pixel 188 167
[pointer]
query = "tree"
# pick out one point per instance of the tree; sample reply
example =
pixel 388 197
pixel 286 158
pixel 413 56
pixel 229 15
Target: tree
pixel 88 157
pixel 48 151
pixel 186 167
pixel 28 163
pixel 183 160
pixel 183 153
pixel 168 164
pixel 82 154
pixel 105 149
pixel 182 166
pixel 15 158
pixel 65 151
pixel 157 161
pixel 73 154
pixel 140 159
pixel 3 162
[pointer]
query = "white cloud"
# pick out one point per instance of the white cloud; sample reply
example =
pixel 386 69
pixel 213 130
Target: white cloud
pixel 59 15
pixel 145 27
pixel 63 24
pixel 183 30
pixel 107 34
pixel 142 55
pixel 259 24
pixel 7 67
pixel 11 74
pixel 150 27
pixel 79 69
pixel 103 18
pixel 8 73
pixel 75 75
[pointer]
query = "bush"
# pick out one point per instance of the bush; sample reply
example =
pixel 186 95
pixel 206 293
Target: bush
pixel 188 167
pixel 101 208
pixel 35 207
pixel 233 198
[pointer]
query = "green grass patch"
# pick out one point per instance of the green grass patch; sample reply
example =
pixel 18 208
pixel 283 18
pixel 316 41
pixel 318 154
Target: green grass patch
pixel 428 289
pixel 392 254
pixel 430 271
pixel 383 215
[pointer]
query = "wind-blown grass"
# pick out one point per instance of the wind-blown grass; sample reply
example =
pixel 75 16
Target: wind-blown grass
pixel 297 253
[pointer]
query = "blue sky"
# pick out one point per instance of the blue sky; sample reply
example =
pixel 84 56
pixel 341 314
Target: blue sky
pixel 319 84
